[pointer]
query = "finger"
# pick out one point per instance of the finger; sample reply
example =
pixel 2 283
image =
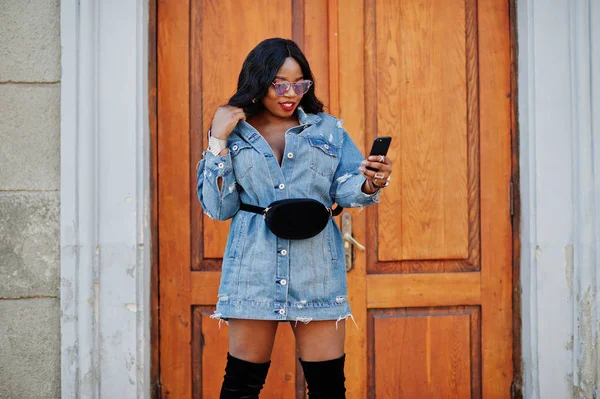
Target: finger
pixel 379 158
pixel 369 174
pixel 374 175
pixel 374 165
pixel 384 167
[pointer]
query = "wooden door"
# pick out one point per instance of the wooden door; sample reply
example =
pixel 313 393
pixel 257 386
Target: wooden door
pixel 432 293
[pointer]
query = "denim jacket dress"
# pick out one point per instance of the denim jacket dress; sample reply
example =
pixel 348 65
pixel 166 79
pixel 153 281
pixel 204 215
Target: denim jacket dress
pixel 265 277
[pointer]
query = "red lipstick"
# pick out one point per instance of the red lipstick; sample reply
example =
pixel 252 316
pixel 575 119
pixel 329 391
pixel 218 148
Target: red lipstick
pixel 288 105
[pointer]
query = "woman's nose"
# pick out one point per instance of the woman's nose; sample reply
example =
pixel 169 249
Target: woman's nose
pixel 291 92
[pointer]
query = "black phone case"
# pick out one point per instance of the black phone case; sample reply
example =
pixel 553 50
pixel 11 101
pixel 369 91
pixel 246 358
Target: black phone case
pixel 380 146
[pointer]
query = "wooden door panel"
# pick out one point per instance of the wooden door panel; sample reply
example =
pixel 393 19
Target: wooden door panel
pixel 421 102
pixel 425 353
pixel 425 83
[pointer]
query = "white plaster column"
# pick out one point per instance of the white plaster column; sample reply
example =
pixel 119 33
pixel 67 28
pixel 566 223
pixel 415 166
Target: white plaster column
pixel 105 257
pixel 559 118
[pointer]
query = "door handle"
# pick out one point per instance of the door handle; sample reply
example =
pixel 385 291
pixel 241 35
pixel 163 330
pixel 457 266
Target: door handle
pixel 352 240
pixel 349 241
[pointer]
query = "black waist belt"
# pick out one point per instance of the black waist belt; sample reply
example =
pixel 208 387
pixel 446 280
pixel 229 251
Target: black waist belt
pixel 295 219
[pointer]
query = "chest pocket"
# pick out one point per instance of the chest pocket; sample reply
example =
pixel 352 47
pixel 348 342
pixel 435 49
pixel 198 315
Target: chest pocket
pixel 323 156
pixel 242 158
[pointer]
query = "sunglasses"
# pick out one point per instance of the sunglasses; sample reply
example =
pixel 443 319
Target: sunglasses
pixel 300 87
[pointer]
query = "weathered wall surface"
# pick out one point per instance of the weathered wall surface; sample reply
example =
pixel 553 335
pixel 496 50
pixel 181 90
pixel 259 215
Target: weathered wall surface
pixel 559 117
pixel 29 199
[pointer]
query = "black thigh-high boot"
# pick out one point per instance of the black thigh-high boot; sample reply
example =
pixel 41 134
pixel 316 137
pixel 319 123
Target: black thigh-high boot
pixel 325 379
pixel 243 380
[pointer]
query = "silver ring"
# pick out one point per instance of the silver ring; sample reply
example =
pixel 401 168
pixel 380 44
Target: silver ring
pixel 381 158
pixel 378 176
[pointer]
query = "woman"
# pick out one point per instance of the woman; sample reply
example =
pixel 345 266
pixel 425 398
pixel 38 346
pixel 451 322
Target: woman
pixel 272 142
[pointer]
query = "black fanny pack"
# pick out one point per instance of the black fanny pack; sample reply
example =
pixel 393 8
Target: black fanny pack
pixel 295 219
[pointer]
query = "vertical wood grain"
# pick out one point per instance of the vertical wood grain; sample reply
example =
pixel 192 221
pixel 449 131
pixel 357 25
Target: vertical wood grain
pixel 394 193
pixel 316 46
pixel 421 101
pixel 352 111
pixel 298 22
pixel 334 57
pixel 496 235
pixel 212 359
pixel 173 201
pixel 473 151
pixel 423 353
pixel 198 141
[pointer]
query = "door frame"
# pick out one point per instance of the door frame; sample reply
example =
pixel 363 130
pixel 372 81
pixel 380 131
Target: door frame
pixel 516 388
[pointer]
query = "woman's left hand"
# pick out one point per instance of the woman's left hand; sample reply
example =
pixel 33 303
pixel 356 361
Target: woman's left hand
pixel 375 179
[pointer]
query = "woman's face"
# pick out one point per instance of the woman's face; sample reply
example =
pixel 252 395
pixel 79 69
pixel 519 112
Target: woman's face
pixel 285 105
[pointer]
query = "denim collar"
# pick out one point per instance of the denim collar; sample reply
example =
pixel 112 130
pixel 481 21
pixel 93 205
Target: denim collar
pixel 307 119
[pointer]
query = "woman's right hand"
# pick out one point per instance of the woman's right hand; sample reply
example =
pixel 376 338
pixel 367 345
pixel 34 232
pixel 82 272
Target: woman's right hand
pixel 225 120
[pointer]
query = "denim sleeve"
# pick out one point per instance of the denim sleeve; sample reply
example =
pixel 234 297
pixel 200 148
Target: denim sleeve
pixel 347 181
pixel 220 204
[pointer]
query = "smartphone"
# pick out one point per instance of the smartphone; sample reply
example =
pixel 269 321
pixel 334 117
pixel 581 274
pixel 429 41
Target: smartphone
pixel 380 146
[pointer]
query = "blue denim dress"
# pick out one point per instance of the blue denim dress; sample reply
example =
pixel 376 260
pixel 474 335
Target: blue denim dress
pixel 265 277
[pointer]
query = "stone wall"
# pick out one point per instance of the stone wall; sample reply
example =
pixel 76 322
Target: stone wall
pixel 29 199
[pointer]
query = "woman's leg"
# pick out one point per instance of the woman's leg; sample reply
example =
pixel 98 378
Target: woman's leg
pixel 252 340
pixel 321 348
pixel 248 360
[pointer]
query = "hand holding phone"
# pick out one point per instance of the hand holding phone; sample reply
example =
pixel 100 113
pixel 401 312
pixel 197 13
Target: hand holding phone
pixel 380 146
pixel 377 168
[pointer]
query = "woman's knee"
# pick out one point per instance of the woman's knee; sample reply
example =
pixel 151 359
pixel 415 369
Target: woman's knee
pixel 252 340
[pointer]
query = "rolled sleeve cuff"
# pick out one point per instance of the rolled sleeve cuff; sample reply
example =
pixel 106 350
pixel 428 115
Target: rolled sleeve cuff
pixel 350 193
pixel 374 197
pixel 219 165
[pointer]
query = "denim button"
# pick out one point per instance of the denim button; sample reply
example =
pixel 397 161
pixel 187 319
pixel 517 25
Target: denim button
pixel 281 186
pixel 235 147
pixel 283 281
pixel 283 252
pixel 221 165
pixel 326 146
pixel 290 155
pixel 282 311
